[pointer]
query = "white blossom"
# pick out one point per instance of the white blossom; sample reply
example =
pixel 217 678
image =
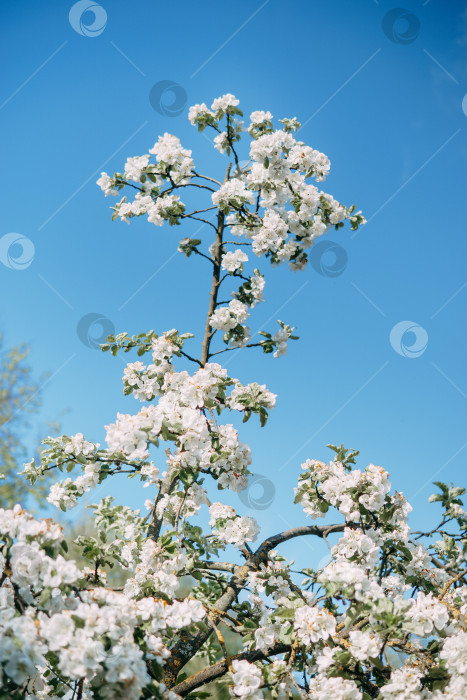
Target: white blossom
pixel 233 261
pixel 313 624
pixel 247 680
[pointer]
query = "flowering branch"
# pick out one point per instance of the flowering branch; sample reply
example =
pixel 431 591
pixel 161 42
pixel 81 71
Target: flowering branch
pixel 384 617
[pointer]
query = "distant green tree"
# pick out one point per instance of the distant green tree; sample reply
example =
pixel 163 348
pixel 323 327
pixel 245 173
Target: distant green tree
pixel 19 399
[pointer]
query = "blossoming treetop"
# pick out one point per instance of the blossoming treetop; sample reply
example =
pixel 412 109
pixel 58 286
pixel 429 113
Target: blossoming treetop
pixel 385 618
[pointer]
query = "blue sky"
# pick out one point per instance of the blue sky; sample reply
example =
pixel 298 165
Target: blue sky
pixel 385 106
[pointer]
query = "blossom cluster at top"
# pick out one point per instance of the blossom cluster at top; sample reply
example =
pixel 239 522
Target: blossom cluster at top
pixel 267 201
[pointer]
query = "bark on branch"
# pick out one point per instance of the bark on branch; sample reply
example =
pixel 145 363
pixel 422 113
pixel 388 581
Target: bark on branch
pixel 216 274
pixel 219 669
pixel 317 530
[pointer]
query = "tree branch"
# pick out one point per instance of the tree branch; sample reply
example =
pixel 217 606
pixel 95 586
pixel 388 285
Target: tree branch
pixel 215 566
pixel 318 530
pixel 217 255
pixel 219 669
pixel 167 485
pixel 205 177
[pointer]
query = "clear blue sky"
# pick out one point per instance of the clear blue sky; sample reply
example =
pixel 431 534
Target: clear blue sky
pixel 385 107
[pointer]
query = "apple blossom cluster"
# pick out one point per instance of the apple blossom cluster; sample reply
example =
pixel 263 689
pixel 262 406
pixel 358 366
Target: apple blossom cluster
pixel 251 291
pixel 313 624
pixel 173 166
pixel 67 453
pixel 227 105
pixel 355 494
pixel 406 604
pixel 272 578
pixel 64 453
pixel 232 195
pixel 232 528
pixel 180 415
pixel 247 680
pixel 233 261
pixel 324 688
pixel 156 570
pixel 183 415
pixel 167 208
pixel 180 504
pixel 56 633
pixel 231 317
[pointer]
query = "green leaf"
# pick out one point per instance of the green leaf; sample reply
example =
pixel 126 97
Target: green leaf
pixel 79 622
pixel 377 663
pixel 286 613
